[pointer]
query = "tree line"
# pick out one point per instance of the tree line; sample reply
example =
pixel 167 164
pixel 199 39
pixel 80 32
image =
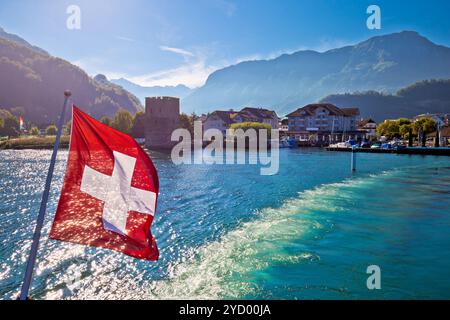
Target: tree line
pixel 9 124
pixel 407 129
pixel 123 121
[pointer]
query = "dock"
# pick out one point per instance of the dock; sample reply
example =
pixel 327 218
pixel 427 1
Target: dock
pixel 414 150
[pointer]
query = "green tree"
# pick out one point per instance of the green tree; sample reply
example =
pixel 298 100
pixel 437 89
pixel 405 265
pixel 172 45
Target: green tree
pixel 252 125
pixel 68 128
pixel 138 130
pixel 2 125
pixel 193 117
pixel 405 130
pixel 424 125
pixel 390 129
pixel 123 121
pixel 10 127
pixel 106 120
pixel 51 130
pixel 248 125
pixel 382 128
pixel 186 123
pixel 403 121
pixel 34 131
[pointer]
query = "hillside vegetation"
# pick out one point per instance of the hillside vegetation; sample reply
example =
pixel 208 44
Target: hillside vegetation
pixel 421 97
pixel 35 82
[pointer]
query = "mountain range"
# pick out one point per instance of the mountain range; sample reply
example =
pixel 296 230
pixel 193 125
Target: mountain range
pixel 180 91
pixel 33 81
pixel 429 96
pixel 374 75
pixel 382 63
pixel 12 37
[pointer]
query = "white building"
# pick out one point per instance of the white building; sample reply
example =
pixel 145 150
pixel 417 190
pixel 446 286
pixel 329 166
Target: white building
pixel 223 119
pixel 441 119
pixel 323 123
pixel 220 120
pixel 259 115
pixel 368 127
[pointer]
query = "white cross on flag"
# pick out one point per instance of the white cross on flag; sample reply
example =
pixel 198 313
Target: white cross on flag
pixel 110 191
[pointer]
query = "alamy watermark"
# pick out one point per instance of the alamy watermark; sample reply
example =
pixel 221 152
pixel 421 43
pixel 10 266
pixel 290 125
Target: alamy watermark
pixel 73 21
pixel 213 147
pixel 374 280
pixel 374 20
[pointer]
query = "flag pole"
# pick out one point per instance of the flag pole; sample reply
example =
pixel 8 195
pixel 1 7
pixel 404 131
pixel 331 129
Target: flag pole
pixel 40 219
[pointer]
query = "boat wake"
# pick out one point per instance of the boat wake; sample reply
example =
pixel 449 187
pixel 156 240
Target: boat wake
pixel 226 268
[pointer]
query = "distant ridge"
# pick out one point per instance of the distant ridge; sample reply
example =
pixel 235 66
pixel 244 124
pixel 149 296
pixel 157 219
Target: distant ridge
pixel 378 68
pixel 383 63
pixel 430 96
pixel 12 37
pixel 141 92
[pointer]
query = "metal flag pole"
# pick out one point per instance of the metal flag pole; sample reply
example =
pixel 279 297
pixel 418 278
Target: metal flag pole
pixel 40 219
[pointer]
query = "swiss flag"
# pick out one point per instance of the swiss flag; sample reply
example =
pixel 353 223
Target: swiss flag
pixel 110 191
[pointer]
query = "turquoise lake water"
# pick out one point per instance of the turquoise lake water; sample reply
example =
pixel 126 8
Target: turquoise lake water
pixel 225 231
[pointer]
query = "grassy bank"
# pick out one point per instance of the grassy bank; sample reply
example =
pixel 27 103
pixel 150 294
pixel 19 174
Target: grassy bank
pixel 33 142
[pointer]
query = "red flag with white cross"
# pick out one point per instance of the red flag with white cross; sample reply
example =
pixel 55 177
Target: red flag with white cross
pixel 110 191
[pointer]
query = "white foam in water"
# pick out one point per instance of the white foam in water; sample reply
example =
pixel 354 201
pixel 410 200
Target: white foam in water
pixel 222 269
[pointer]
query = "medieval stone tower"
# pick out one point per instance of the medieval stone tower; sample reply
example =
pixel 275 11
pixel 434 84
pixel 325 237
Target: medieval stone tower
pixel 163 116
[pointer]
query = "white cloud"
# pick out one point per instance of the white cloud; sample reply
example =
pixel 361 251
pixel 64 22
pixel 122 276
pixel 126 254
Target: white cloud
pixel 94 66
pixel 125 38
pixel 198 64
pixel 193 72
pixel 190 74
pixel 196 69
pixel 177 51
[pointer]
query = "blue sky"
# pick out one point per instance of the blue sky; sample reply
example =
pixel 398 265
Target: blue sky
pixel 182 41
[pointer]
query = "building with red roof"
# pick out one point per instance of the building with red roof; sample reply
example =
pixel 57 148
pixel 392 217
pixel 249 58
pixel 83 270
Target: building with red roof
pixel 324 123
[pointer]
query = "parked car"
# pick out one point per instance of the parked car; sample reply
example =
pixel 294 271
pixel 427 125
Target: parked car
pixel 376 146
pixel 343 145
pixel 365 144
pixel 397 145
pixel 346 144
pixel 288 142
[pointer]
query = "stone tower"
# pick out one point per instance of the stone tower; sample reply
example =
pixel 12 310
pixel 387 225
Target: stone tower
pixel 163 117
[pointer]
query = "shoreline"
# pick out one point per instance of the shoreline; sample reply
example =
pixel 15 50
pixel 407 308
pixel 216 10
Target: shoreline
pixel 34 143
pixel 430 151
pixel 46 143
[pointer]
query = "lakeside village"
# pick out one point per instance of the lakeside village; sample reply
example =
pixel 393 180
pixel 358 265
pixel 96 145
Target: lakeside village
pixel 325 125
pixel 314 125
